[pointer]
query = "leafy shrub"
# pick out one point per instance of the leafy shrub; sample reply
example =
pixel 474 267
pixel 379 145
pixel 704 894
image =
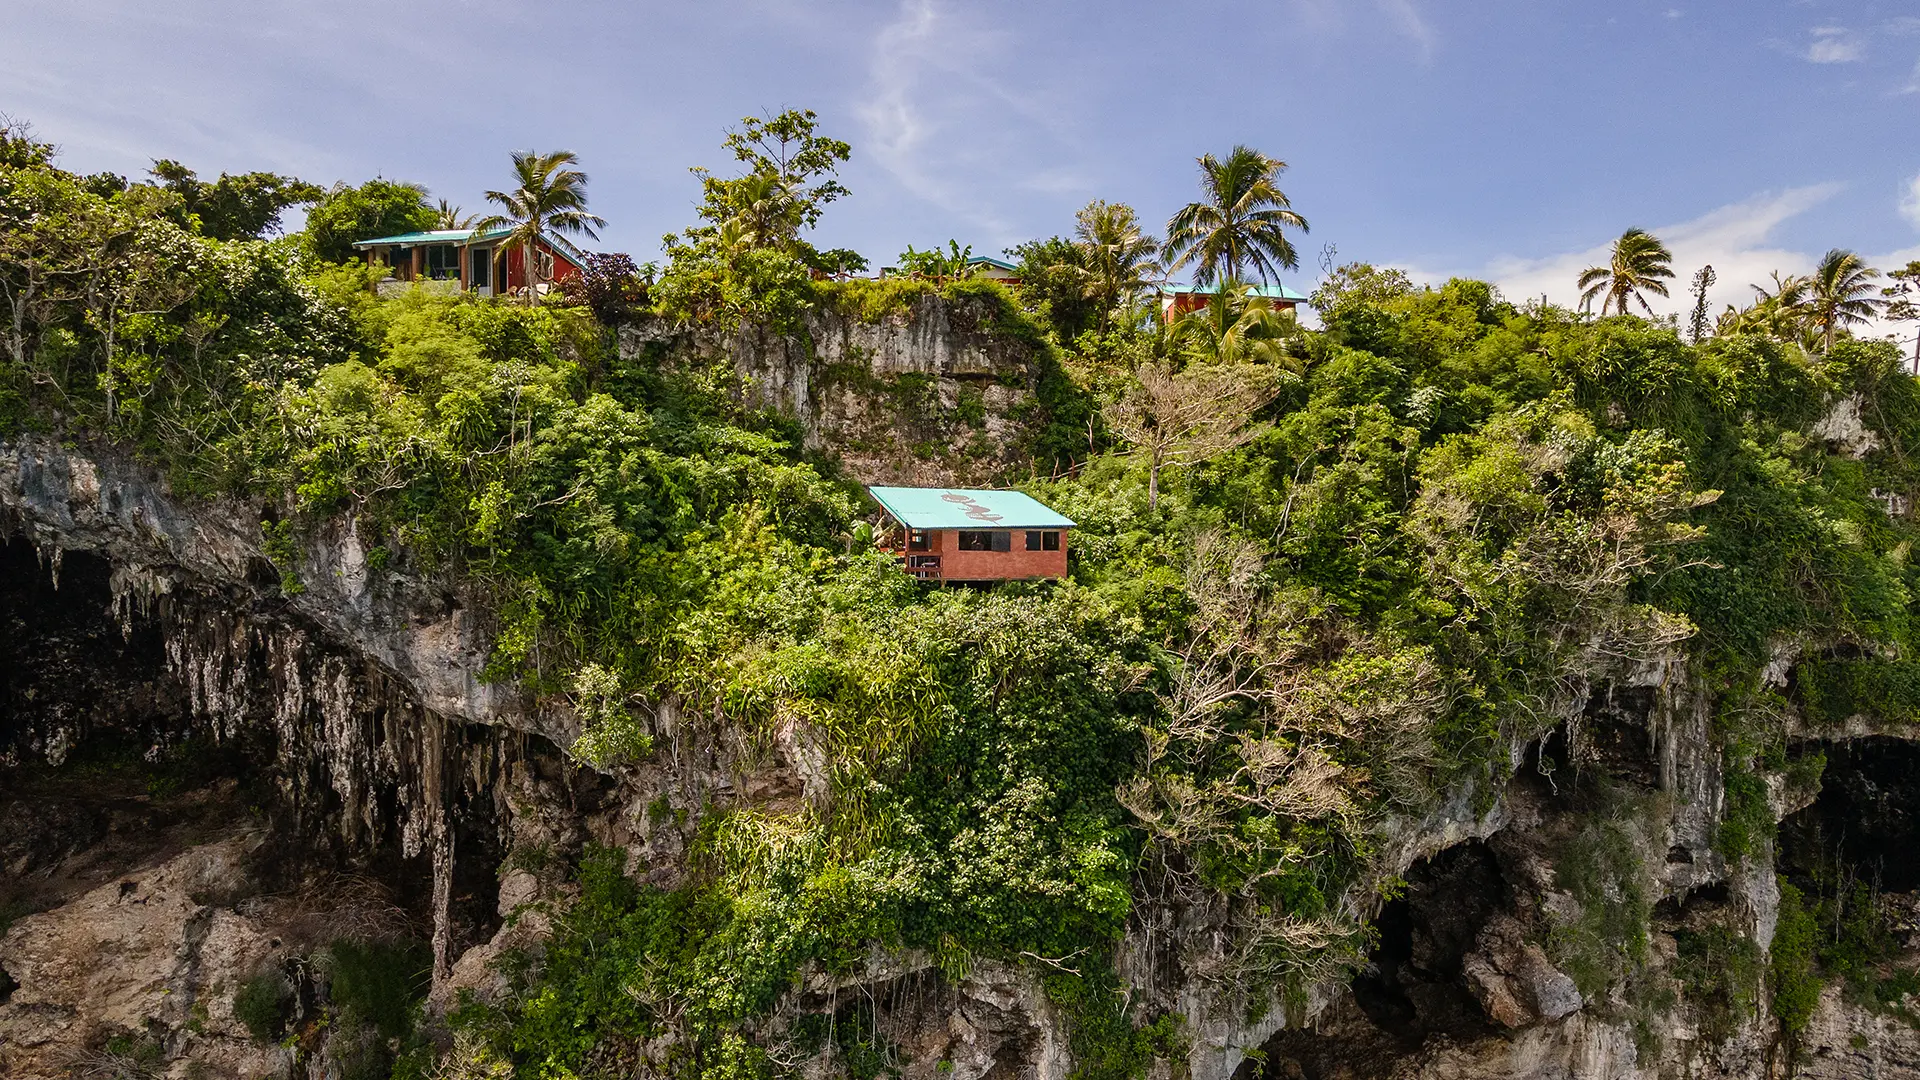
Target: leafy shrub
pixel 264 1003
pixel 378 983
pixel 1796 986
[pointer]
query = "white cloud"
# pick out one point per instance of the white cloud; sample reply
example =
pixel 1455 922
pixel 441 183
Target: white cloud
pixel 940 117
pixel 1736 240
pixel 1913 81
pixel 1674 13
pixel 1835 45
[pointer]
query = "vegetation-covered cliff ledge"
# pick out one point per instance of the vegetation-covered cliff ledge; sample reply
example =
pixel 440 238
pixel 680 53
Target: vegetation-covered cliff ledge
pixel 1439 678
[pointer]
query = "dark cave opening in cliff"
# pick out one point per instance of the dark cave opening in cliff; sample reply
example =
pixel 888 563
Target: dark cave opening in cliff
pixel 104 769
pixel 1414 986
pixel 1864 826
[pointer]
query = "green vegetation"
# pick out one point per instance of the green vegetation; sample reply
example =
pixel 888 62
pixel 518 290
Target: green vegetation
pixel 1348 596
pixel 264 1005
pixel 1722 972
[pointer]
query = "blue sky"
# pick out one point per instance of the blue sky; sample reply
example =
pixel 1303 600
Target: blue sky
pixel 1509 139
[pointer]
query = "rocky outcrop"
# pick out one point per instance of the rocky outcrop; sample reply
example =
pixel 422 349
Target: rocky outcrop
pixel 928 394
pixel 344 745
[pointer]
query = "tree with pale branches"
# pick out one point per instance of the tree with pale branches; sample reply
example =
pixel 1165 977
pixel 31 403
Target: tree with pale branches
pixel 1640 264
pixel 1191 416
pixel 1903 301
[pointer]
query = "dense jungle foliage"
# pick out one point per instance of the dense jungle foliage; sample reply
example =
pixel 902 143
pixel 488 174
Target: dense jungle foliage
pixel 1442 514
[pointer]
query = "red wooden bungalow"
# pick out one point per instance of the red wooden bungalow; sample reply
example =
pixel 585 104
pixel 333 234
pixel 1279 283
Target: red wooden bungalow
pixel 1177 299
pixel 946 535
pixel 478 262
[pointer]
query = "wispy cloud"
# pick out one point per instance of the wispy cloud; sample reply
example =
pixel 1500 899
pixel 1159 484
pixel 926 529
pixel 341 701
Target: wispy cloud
pixel 1406 17
pixel 1328 17
pixel 1910 202
pixel 1835 45
pixel 942 120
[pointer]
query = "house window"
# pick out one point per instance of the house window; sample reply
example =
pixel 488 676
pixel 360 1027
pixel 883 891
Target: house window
pixel 481 276
pixel 401 259
pixel 971 540
pixel 917 540
pixel 443 262
pixel 1050 541
pixel 1033 540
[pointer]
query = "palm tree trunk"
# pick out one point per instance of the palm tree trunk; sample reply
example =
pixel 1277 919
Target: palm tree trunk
pixel 527 253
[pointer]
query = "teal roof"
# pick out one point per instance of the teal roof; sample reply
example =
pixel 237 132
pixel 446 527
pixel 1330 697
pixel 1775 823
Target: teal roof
pixel 955 508
pixel 432 236
pixel 1271 292
pixel 462 236
pixel 991 261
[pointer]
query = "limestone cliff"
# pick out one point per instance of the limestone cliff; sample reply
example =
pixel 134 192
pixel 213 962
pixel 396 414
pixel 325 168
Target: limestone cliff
pixel 207 775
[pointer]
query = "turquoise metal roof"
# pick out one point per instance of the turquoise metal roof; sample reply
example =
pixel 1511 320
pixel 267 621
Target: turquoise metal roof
pixel 991 261
pixel 954 508
pixel 462 236
pixel 432 236
pixel 1271 292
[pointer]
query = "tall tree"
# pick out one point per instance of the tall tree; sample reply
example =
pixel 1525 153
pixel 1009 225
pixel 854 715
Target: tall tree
pixel 791 175
pixel 1121 259
pixel 1640 264
pixel 549 196
pixel 1903 301
pixel 1840 294
pixel 1698 327
pixel 1239 223
pixel 244 207
pixel 346 215
pixel 1187 417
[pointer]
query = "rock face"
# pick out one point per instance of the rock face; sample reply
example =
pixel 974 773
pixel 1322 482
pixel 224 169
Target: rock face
pixel 925 395
pixel 261 773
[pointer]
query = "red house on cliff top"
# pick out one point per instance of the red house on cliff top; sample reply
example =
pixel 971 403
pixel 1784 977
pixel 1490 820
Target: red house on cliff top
pixel 473 261
pixel 946 535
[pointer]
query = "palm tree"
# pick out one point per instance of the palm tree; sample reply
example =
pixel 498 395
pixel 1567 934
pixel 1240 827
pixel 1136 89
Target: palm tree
pixel 549 198
pixel 1236 327
pixel 1640 262
pixel 1240 223
pixel 1840 294
pixel 1779 313
pixel 765 209
pixel 450 217
pixel 1120 257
